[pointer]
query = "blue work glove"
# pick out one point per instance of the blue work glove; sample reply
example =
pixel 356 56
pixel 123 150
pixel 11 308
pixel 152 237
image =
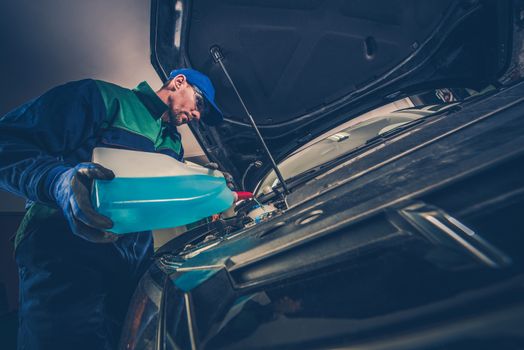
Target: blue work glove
pixel 71 191
pixel 229 178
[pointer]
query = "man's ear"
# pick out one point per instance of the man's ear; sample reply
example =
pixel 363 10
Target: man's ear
pixel 177 82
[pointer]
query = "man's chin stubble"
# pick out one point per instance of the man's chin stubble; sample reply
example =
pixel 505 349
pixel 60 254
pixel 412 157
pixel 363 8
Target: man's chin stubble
pixel 174 120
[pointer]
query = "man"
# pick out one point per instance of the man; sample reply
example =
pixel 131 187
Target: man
pixel 76 279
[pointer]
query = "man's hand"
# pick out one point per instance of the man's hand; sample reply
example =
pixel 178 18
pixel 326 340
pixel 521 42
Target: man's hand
pixel 229 179
pixel 71 191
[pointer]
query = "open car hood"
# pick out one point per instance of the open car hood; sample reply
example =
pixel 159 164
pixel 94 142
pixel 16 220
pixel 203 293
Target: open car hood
pixel 304 66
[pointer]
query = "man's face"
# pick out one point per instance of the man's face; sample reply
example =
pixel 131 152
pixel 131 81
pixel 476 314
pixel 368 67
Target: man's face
pixel 182 102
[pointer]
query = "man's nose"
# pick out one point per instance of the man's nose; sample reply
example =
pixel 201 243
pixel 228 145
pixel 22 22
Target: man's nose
pixel 196 115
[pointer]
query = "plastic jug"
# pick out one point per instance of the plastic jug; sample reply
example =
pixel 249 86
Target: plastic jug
pixel 152 191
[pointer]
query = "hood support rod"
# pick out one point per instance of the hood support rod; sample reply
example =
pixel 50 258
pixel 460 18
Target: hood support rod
pixel 216 53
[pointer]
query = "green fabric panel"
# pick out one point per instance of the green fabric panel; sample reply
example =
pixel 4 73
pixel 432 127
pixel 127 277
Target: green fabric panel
pixel 128 112
pixel 169 143
pixel 35 214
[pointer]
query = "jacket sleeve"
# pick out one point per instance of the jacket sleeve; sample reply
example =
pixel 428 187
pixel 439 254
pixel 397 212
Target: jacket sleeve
pixel 36 136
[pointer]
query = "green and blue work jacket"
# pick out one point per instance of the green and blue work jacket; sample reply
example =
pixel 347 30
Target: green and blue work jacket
pixel 47 135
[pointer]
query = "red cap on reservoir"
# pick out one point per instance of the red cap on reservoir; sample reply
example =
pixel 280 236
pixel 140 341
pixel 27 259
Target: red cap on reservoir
pixel 241 195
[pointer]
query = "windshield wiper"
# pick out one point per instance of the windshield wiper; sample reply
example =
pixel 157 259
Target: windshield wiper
pixel 394 131
pixel 400 128
pixel 303 176
pixel 292 179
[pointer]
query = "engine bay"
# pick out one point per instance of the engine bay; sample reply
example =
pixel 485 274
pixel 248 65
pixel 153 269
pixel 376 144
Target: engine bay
pixel 244 215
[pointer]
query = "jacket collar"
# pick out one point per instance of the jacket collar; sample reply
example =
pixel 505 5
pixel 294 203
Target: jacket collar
pixel 150 100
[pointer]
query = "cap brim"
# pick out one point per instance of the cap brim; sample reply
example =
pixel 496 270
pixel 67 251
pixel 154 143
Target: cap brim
pixel 214 116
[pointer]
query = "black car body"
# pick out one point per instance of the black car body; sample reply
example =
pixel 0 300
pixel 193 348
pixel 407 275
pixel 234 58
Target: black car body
pixel 411 240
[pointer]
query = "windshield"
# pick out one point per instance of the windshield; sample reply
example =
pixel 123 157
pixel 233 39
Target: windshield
pixel 358 131
pixel 346 138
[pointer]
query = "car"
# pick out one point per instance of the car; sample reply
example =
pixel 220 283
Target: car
pixel 384 143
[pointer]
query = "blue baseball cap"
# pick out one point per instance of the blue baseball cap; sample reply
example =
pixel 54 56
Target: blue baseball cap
pixel 202 82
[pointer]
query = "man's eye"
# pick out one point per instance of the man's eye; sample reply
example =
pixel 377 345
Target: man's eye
pixel 200 104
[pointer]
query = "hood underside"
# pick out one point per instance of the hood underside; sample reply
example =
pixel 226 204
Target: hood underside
pixel 304 66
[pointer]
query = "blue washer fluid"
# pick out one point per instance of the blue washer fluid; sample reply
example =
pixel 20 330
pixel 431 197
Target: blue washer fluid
pixel 142 203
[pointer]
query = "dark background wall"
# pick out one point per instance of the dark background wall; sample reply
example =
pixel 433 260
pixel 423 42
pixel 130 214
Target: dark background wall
pixel 48 42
